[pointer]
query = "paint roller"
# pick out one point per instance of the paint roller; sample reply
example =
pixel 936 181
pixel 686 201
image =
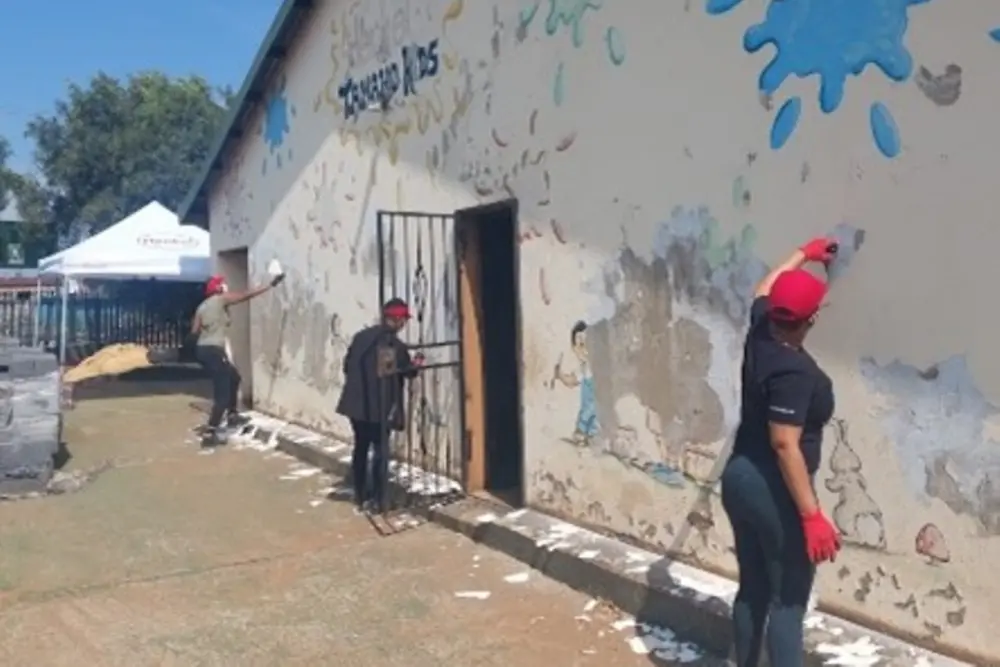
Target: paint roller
pixel 275 271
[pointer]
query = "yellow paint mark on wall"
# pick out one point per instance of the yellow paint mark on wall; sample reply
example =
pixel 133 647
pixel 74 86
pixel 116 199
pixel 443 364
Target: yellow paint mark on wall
pixel 329 92
pixel 451 14
pixel 454 11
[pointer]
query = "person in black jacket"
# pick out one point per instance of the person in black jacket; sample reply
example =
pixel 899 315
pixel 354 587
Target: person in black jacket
pixel 780 532
pixel 376 367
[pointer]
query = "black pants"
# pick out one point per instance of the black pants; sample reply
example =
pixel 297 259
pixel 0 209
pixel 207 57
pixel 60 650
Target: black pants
pixel 374 437
pixel 776 575
pixel 225 382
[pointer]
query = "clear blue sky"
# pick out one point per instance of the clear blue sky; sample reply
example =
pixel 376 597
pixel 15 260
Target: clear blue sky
pixel 45 45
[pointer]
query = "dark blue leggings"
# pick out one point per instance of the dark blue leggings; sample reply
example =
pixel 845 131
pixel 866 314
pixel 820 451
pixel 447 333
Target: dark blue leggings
pixel 776 576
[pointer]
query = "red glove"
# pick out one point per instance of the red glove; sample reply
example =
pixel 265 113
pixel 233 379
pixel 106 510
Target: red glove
pixel 822 539
pixel 820 249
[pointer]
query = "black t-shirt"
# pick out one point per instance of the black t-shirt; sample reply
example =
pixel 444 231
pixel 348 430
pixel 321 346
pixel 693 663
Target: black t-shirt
pixel 784 385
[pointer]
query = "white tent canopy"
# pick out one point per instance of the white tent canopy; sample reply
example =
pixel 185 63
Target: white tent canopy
pixel 150 243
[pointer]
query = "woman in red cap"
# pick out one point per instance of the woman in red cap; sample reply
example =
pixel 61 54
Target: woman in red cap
pixel 779 530
pixel 211 326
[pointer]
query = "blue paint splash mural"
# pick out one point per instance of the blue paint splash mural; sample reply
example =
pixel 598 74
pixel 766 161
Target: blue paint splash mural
pixel 785 122
pixel 278 113
pixel 834 39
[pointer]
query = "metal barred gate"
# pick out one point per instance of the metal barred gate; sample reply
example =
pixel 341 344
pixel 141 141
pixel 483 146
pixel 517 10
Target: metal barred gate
pixel 418 262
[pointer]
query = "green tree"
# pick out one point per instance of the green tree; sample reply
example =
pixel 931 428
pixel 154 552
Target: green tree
pixel 112 146
pixel 7 176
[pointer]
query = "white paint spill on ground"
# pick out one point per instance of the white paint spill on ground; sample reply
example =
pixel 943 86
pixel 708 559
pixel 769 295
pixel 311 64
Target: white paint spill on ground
pixel 660 642
pixel 519 578
pixel 419 481
pixel 860 653
pixel 590 606
pixel 638 557
pixel 300 473
pixel 473 595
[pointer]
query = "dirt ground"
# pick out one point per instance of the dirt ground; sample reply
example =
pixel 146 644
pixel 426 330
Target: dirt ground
pixel 174 557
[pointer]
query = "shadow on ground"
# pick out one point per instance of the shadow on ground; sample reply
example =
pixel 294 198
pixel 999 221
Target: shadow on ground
pixel 178 379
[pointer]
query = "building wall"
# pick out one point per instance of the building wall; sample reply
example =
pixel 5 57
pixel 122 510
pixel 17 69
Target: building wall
pixel 661 163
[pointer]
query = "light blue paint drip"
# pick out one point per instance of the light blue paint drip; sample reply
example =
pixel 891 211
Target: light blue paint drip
pixel 720 6
pixel 616 45
pixel 995 34
pixel 527 15
pixel 569 13
pixel 834 39
pixel 785 122
pixel 276 125
pixel 559 85
pixel 884 130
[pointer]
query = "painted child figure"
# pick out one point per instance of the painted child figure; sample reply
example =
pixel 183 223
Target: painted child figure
pixel 586 418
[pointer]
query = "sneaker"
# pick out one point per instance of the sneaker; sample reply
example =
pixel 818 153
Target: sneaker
pixel 213 438
pixel 235 419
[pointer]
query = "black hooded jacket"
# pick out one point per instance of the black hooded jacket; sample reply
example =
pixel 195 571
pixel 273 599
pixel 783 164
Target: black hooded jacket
pixel 376 367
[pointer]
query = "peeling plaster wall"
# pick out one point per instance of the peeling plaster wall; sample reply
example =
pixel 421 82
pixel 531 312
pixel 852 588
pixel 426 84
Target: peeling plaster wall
pixel 658 172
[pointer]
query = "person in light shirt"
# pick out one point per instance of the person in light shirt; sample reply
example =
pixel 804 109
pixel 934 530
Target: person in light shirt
pixel 211 326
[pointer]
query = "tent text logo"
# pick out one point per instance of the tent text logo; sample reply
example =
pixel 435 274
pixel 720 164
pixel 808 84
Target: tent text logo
pixel 172 242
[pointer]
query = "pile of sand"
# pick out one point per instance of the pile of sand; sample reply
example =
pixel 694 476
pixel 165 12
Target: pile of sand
pixel 111 360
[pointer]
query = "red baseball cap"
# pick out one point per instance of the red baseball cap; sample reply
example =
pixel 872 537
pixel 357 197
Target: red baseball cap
pixel 214 284
pixel 795 296
pixel 396 307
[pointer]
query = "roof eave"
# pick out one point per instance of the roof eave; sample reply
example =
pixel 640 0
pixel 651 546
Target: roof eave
pixel 273 50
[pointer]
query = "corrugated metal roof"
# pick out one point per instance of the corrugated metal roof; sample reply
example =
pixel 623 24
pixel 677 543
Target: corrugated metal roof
pixel 274 48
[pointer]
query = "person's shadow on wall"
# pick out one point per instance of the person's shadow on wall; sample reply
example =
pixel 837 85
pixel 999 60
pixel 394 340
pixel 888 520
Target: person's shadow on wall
pixel 666 624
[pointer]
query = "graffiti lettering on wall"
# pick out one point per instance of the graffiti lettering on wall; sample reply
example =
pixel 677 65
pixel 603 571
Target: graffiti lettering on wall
pixel 810 39
pixel 379 87
pixel 276 124
pixel 437 109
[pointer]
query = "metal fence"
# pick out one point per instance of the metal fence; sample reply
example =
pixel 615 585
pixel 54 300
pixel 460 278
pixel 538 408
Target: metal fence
pixel 94 321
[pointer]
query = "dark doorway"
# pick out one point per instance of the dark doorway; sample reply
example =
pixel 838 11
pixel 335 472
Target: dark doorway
pixel 490 259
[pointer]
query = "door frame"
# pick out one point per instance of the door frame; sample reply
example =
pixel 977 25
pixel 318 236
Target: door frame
pixel 234 265
pixel 468 249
